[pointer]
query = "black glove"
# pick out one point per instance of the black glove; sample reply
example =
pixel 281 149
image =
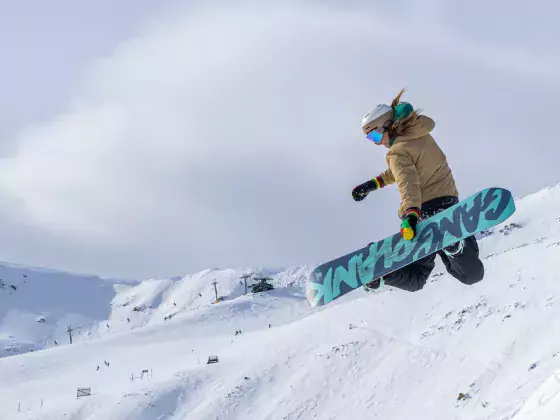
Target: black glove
pixel 361 191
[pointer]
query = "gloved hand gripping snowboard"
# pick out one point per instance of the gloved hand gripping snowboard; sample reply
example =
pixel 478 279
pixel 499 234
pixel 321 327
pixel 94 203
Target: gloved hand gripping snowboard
pixel 409 222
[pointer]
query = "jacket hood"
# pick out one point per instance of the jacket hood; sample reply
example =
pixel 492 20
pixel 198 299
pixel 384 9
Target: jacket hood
pixel 411 127
pixel 408 123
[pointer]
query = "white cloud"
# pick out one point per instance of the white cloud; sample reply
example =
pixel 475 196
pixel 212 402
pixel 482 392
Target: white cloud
pixel 232 134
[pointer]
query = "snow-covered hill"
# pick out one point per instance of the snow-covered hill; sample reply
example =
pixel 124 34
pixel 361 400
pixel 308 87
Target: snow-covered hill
pixel 157 301
pixel 37 305
pixel 489 351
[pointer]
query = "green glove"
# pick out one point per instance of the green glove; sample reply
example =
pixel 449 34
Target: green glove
pixel 408 225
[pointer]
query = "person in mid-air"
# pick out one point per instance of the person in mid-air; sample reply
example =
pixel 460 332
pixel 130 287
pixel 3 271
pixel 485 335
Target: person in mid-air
pixel 426 186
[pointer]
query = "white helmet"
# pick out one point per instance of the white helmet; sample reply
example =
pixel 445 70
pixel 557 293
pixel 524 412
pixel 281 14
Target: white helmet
pixel 376 117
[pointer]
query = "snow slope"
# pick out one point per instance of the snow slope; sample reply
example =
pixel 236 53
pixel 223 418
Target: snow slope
pixel 37 305
pixel 489 351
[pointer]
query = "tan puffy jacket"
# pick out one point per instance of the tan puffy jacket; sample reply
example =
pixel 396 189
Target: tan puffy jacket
pixel 417 164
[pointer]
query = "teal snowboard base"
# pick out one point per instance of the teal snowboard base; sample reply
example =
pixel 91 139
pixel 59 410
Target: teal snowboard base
pixel 481 211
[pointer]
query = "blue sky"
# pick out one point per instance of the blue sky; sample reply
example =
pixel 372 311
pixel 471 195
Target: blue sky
pixel 150 138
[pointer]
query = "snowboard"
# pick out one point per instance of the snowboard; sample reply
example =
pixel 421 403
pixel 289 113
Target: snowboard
pixel 480 211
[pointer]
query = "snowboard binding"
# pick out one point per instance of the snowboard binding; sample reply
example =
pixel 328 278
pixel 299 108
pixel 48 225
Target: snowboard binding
pixel 374 286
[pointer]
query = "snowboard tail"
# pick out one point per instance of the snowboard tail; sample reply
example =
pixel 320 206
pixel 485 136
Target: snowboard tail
pixel 480 211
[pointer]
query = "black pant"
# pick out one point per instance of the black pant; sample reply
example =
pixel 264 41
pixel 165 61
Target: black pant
pixel 465 266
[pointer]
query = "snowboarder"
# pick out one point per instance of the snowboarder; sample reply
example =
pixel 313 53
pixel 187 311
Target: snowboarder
pixel 426 186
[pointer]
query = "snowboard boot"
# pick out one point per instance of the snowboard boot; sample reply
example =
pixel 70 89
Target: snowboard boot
pixel 455 250
pixel 374 285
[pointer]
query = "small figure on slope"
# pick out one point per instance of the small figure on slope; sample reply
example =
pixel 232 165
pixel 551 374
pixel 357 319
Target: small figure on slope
pixel 426 186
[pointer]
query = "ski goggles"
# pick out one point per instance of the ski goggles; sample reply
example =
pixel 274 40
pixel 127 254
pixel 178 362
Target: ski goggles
pixel 376 134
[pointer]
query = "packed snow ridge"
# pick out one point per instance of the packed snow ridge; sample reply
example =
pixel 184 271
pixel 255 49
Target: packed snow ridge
pixel 168 349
